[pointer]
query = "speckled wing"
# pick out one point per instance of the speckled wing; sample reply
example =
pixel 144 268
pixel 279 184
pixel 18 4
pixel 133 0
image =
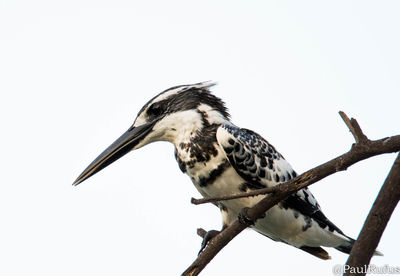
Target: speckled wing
pixel 260 165
pixel 254 159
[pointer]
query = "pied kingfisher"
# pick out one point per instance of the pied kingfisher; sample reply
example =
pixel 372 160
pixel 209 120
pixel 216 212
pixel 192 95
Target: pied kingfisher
pixel 221 158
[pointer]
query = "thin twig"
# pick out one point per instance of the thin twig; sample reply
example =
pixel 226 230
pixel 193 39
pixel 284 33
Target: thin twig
pixel 262 191
pixel 357 153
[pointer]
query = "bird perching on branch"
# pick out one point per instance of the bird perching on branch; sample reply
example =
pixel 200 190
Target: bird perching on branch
pixel 221 159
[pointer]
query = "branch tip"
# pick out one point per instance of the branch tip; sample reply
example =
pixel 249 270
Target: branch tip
pixel 354 128
pixel 201 232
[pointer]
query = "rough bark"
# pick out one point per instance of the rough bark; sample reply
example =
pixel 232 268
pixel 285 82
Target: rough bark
pixel 375 224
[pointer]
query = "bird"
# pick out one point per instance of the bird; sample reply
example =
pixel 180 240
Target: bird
pixel 222 159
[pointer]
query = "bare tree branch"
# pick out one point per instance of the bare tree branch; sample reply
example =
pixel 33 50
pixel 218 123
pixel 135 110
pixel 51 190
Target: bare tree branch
pixel 362 149
pixel 376 222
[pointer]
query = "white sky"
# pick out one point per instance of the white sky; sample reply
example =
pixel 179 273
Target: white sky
pixel 73 75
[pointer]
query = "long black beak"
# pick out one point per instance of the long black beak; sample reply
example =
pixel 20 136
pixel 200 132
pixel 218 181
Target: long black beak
pixel 119 148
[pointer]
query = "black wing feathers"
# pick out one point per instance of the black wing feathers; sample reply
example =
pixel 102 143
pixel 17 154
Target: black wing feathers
pixel 260 165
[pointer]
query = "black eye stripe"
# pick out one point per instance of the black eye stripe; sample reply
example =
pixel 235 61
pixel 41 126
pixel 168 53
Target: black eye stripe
pixel 155 109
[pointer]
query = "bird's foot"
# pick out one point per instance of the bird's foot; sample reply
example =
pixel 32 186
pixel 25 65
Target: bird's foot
pixel 244 218
pixel 207 238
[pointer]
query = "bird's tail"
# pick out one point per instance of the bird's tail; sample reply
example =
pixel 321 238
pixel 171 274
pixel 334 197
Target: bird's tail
pixel 348 245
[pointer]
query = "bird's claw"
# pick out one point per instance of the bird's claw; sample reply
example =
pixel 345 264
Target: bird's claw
pixel 207 238
pixel 244 218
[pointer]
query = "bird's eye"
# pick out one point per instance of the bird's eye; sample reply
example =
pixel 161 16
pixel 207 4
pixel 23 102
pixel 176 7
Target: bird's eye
pixel 155 109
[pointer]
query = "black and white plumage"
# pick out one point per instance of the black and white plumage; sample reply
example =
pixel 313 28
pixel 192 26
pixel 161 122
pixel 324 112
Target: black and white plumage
pixel 221 158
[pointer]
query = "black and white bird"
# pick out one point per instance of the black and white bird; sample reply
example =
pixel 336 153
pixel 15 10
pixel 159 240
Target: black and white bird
pixel 221 159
